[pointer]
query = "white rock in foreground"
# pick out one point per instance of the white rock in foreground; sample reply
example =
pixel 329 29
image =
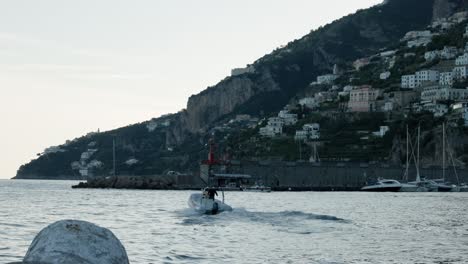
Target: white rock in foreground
pixel 78 242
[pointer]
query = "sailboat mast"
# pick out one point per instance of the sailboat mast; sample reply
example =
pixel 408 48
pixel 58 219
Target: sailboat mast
pixel 418 176
pixel 443 150
pixel 113 156
pixel 407 154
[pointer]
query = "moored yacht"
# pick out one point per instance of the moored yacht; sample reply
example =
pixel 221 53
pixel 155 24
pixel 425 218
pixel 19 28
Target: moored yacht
pixel 383 186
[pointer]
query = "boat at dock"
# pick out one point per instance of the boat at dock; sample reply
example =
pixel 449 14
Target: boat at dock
pixel 383 186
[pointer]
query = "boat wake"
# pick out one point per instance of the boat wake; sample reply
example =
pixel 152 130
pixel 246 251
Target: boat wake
pixel 283 219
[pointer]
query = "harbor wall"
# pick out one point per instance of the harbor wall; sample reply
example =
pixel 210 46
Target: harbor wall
pixel 333 176
pixel 282 176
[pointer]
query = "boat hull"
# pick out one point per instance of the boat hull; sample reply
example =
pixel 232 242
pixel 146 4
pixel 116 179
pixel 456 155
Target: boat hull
pixel 381 189
pixel 207 206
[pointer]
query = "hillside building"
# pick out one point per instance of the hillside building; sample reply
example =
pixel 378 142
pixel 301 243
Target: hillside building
pixel 358 64
pixel 449 53
pixel 461 109
pixel 240 71
pixel 462 60
pixel 309 131
pixel 274 127
pixel 426 76
pixel 431 55
pixel 287 117
pixel 382 131
pixel 363 99
pixel 385 75
pixel 433 94
pixel 408 81
pixel 460 72
pixel 446 79
pixel 309 102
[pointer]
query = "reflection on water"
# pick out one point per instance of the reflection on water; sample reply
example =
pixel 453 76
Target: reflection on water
pixel 158 226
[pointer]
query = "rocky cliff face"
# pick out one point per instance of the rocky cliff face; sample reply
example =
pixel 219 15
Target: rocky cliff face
pixel 208 106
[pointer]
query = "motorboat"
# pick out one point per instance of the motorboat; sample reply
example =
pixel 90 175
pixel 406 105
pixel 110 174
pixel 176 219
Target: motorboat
pixel 463 187
pixel 442 186
pixel 206 203
pixel 413 187
pixel 383 186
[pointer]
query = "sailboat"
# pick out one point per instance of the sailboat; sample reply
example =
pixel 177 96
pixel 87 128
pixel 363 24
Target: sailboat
pixel 419 185
pixel 205 202
pixel 442 186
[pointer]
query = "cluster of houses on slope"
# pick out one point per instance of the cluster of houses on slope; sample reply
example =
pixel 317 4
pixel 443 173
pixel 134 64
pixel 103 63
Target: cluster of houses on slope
pixel 85 165
pixel 421 91
pixel 275 125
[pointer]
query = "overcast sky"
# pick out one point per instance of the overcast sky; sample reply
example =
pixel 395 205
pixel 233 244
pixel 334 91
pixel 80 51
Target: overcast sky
pixel 71 67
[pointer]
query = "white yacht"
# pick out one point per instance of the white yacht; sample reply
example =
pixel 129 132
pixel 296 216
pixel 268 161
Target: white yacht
pixel 383 186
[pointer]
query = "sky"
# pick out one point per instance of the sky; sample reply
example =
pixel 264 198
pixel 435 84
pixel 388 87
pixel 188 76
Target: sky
pixel 71 67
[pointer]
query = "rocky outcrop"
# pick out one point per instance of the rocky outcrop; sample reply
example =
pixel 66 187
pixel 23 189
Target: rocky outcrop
pixel 72 241
pixel 222 99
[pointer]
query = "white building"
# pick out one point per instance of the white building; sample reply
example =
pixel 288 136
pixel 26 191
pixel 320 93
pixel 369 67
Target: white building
pixel 408 81
pixel 426 76
pixel 446 79
pixel 309 131
pixel 309 102
pixel 301 135
pixel 288 118
pixel 438 110
pixel 382 131
pixel 431 55
pixel 326 79
pixel 419 42
pixel 460 72
pixel 385 75
pixel 433 94
pixel 417 34
pixel 274 127
pixel 418 38
pixel 240 71
pixel 358 64
pixel 462 60
pixel 449 53
pixel 461 108
pixel 388 53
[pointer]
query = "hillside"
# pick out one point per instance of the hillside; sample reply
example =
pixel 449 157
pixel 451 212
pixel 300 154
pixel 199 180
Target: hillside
pixel 177 142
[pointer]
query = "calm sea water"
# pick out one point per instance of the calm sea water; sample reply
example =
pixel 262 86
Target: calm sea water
pixel 158 227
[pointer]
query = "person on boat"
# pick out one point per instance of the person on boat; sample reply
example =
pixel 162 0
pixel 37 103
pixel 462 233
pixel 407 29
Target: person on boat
pixel 211 193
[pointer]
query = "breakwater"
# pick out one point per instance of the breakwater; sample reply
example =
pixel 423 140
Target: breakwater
pixel 282 176
pixel 338 176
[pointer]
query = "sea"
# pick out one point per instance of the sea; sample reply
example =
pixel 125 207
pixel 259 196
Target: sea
pixel 276 227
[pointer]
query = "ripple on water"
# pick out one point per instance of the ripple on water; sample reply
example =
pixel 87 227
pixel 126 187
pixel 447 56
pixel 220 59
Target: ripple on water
pixel 157 227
